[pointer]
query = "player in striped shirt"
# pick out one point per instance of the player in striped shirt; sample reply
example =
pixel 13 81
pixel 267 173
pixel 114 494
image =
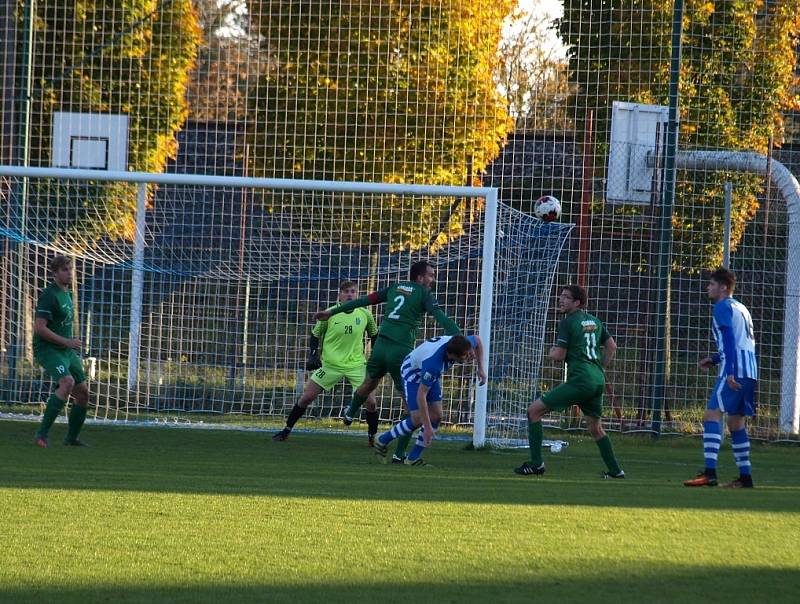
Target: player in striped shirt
pixel 342 340
pixel 735 389
pixel 407 303
pixel 422 370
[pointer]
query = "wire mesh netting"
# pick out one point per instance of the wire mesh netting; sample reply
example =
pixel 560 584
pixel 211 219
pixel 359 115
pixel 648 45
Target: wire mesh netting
pixel 516 95
pixel 231 277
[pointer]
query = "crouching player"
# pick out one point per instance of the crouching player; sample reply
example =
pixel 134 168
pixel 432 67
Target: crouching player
pixel 422 370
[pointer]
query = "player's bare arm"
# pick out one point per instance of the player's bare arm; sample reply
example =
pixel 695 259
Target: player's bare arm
pixel 557 353
pixel 422 404
pixel 482 375
pixel 40 329
pixel 609 350
pixel 706 363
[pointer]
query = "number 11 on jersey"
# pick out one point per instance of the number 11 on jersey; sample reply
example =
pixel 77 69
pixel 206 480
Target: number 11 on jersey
pixel 591 345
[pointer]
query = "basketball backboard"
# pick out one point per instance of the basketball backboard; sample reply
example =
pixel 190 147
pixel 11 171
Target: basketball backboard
pixel 634 128
pixel 93 141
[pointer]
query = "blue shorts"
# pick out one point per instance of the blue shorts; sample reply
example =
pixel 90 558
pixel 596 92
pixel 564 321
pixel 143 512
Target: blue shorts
pixel 734 402
pixel 434 394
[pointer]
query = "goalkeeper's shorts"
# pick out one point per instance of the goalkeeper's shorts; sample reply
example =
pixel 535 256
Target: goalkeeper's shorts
pixel 327 377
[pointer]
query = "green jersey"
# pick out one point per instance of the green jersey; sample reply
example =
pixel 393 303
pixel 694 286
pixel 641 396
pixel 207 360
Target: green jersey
pixel 55 305
pixel 582 335
pixel 342 338
pixel 406 305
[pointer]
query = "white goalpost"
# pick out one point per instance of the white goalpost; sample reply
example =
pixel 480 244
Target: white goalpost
pixel 194 293
pixel 634 174
pixel 789 189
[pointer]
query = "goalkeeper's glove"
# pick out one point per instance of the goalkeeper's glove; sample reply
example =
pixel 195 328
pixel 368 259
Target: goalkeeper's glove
pixel 313 362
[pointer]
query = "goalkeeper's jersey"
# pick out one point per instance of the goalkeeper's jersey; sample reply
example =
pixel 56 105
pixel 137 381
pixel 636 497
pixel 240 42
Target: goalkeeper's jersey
pixel 582 335
pixel 342 338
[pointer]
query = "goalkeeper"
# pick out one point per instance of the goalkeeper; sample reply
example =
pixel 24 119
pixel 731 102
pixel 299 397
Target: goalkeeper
pixel 406 305
pixel 342 356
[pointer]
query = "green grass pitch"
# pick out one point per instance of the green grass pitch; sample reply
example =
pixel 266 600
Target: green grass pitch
pixel 168 515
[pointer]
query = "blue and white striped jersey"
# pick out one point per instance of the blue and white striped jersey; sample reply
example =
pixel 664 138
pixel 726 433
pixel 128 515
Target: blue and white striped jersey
pixel 428 361
pixel 732 327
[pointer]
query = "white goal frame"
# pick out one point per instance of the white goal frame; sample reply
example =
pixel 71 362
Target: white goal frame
pixel 786 183
pixel 490 195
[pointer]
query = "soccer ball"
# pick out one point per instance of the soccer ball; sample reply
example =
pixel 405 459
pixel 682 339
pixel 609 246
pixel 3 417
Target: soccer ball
pixel 547 208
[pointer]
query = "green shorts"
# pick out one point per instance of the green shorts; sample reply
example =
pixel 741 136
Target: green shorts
pixel 585 392
pixel 328 377
pixel 387 357
pixel 60 363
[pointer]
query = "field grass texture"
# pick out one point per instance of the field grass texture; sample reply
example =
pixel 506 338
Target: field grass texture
pixel 166 515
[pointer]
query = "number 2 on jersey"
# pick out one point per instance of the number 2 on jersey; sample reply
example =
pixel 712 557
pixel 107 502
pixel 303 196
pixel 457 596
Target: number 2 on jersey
pixel 591 345
pixel 400 301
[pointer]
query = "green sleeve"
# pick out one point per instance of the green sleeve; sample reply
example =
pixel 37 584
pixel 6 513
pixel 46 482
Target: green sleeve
pixel 562 340
pixel 604 335
pixel 374 298
pixel 44 307
pixel 372 326
pixel 319 330
pixel 432 307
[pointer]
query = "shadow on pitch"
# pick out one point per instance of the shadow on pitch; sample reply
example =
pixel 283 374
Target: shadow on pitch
pixel 630 582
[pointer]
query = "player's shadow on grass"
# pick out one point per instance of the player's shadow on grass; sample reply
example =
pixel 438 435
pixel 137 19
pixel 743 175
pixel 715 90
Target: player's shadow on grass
pixel 234 463
pixel 629 582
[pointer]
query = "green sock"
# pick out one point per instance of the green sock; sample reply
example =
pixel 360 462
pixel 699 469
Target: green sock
pixel 355 404
pixel 402 442
pixel 607 452
pixel 51 411
pixel 77 415
pixel 535 435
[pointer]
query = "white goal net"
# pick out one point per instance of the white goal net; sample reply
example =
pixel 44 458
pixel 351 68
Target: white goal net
pixel 194 295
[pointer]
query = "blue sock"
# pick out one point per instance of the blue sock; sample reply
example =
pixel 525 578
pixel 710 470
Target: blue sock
pixel 712 439
pixel 419 447
pixel 404 427
pixel 741 450
pixel 416 452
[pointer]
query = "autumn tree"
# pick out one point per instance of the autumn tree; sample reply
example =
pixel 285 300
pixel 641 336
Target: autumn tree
pixel 736 79
pixel 227 62
pixel 380 90
pixel 532 72
pixel 109 56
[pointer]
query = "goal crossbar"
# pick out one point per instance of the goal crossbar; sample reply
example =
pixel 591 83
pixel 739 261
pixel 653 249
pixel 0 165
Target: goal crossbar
pixel 252 182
